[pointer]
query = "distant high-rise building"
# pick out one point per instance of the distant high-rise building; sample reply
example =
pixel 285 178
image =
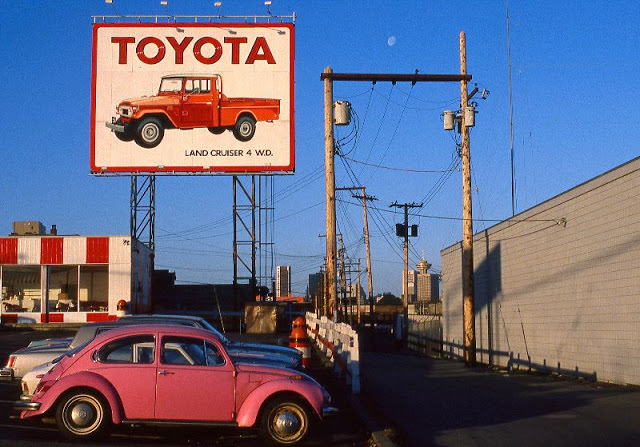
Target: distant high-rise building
pixel 283 280
pixel 316 286
pixel 428 287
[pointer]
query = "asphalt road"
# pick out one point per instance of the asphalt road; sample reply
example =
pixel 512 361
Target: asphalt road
pixel 342 430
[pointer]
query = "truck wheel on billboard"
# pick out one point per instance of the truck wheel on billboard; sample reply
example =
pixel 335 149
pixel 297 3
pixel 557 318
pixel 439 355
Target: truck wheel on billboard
pixel 245 128
pixel 149 132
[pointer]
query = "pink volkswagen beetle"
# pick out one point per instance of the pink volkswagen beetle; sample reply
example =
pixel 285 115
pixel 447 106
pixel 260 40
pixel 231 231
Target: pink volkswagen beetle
pixel 165 374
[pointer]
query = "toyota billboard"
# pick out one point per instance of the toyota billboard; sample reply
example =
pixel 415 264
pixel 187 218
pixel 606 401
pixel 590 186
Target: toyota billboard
pixel 192 98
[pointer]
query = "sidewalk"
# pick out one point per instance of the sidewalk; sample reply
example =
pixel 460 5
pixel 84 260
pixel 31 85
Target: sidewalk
pixel 430 402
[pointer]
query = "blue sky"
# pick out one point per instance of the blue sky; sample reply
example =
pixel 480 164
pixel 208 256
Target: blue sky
pixel 575 117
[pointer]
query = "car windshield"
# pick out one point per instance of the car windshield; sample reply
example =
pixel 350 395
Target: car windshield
pixel 171 85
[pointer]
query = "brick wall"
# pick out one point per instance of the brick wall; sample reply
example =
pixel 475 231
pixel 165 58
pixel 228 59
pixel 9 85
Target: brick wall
pixel 557 287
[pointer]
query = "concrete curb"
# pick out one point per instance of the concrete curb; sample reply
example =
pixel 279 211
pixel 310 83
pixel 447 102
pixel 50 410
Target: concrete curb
pixel 371 423
pixel 378 433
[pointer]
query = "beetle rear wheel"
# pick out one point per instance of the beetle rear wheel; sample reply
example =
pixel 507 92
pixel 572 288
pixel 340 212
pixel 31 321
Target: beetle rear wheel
pixel 84 415
pixel 149 132
pixel 285 422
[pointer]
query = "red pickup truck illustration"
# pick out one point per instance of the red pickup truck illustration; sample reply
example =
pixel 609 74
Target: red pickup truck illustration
pixel 190 102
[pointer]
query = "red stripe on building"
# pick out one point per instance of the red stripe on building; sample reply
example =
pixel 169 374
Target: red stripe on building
pixel 9 318
pixel 95 316
pixel 8 250
pixel 97 250
pixel 51 250
pixel 56 318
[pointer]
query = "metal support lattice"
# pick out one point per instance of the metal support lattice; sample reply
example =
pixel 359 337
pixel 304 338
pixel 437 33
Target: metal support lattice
pixel 253 229
pixel 143 210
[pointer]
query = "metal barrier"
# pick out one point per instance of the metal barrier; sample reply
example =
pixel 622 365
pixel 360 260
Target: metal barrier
pixel 424 334
pixel 338 342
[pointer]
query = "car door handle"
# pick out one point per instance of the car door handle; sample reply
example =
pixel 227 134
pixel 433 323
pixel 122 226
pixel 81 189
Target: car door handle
pixel 164 373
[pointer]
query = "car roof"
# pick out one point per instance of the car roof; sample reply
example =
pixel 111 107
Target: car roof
pixel 160 316
pixel 172 329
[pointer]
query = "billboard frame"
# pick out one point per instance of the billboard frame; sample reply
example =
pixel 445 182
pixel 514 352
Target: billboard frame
pixel 281 169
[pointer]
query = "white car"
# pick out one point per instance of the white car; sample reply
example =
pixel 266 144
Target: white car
pixel 31 379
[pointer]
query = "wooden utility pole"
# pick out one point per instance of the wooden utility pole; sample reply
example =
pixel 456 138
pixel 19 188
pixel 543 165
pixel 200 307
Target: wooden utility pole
pixel 467 222
pixel 405 298
pixel 328 76
pixel 364 198
pixel 358 294
pixel 330 191
pixel 343 280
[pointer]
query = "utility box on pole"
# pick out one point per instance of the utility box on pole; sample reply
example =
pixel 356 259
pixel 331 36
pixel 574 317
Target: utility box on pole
pixel 341 113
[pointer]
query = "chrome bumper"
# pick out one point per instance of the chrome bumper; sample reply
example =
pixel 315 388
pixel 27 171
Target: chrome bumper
pixel 22 405
pixel 115 127
pixel 6 374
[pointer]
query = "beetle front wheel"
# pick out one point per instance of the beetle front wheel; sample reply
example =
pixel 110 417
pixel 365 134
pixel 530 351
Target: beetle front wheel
pixel 285 422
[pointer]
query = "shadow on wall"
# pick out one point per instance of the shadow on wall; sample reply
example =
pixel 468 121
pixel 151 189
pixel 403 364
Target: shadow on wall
pixel 487 288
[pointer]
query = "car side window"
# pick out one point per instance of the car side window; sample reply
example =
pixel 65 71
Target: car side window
pixel 214 356
pixel 189 351
pixel 197 86
pixel 135 349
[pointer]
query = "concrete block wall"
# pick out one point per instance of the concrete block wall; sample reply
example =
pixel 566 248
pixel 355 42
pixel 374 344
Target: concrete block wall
pixel 557 287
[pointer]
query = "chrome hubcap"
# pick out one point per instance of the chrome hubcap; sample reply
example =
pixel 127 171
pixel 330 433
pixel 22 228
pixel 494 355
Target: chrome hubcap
pixel 82 414
pixel 287 423
pixel 245 129
pixel 150 132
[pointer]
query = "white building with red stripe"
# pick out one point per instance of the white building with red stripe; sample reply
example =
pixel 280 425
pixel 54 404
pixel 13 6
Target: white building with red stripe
pixel 71 279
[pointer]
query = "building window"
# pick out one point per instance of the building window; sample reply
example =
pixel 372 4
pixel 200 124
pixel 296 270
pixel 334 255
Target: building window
pixel 63 288
pixel 21 290
pixel 71 288
pixel 94 288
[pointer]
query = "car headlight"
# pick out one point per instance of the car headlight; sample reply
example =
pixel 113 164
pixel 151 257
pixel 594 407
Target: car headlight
pixel 127 111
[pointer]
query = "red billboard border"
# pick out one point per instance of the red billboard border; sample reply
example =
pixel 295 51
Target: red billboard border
pixel 186 170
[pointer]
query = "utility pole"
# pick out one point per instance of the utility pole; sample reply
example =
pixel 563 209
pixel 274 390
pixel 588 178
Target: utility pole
pixel 405 298
pixel 330 191
pixel 467 222
pixel 358 294
pixel 343 279
pixel 325 291
pixel 364 198
pixel 328 76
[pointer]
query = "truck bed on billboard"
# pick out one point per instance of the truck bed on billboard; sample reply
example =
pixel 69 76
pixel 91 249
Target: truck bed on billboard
pixel 185 98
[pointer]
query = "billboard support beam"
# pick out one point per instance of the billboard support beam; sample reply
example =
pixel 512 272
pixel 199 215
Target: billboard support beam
pixel 142 222
pixel 244 214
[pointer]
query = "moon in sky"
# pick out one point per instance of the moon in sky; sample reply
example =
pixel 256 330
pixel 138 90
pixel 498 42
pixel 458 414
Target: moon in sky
pixel 391 41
